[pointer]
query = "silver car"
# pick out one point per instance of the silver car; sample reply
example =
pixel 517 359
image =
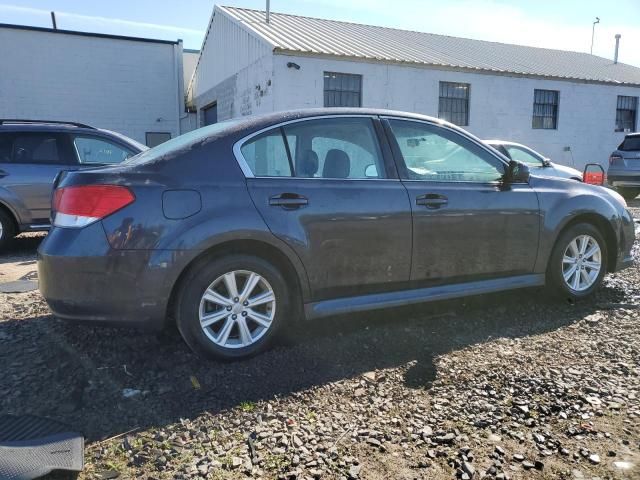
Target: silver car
pixel 624 167
pixel 33 152
pixel 538 163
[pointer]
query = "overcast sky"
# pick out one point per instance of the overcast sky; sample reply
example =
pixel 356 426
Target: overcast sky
pixel 562 24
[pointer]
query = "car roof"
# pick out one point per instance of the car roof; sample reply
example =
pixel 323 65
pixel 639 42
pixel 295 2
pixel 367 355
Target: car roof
pixel 635 134
pixel 55 126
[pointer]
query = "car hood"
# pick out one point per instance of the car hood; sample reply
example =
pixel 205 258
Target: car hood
pixel 566 172
pixel 540 183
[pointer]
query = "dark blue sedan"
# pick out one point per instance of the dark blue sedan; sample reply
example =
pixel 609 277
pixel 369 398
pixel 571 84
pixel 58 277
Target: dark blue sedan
pixel 237 230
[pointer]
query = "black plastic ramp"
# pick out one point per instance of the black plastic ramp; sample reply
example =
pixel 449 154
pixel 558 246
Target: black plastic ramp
pixel 31 447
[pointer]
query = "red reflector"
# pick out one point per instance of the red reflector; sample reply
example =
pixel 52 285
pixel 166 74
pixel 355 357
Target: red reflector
pixel 96 201
pixel 593 178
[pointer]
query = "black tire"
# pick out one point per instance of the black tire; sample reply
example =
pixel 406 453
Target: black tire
pixel 196 282
pixel 629 193
pixel 556 285
pixel 8 230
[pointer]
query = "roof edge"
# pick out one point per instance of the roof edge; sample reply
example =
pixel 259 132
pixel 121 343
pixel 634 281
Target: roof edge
pixel 456 68
pixel 86 34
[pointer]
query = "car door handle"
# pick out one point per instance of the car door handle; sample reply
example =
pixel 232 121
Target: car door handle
pixel 432 200
pixel 288 200
pixel 3 173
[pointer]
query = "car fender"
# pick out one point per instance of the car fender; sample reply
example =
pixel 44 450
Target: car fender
pixel 172 259
pixel 16 207
pixel 563 206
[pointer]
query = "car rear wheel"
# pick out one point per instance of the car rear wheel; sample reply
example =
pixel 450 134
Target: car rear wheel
pixel 232 307
pixel 629 193
pixel 578 262
pixel 7 228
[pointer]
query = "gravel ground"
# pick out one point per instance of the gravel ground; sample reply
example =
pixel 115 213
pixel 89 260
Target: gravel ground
pixel 501 386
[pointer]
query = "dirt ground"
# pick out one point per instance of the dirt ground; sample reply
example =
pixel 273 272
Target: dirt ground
pixel 500 386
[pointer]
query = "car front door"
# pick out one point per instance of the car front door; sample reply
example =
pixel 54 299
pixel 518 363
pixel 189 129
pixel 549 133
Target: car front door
pixel 467 224
pixel 325 187
pixel 29 164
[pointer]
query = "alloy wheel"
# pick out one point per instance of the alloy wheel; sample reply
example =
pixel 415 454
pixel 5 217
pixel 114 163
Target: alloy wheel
pixel 237 309
pixel 581 263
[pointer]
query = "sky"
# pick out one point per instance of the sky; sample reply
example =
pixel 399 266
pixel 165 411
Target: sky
pixel 561 24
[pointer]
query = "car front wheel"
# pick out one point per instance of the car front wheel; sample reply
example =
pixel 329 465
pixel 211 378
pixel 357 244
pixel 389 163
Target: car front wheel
pixel 232 307
pixel 578 262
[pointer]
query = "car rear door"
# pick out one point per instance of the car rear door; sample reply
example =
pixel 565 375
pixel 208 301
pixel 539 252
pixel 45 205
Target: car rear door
pixel 467 225
pixel 29 164
pixel 327 188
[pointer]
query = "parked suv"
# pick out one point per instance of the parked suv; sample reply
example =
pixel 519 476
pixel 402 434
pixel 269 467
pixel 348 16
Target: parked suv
pixel 238 229
pixel 624 167
pixel 33 152
pixel 540 165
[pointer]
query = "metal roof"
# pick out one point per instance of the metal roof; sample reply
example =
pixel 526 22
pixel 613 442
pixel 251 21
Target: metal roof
pixel 85 34
pixel 315 36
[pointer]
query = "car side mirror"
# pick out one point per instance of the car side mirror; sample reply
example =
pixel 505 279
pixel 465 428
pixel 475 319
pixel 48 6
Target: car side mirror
pixel 546 162
pixel 371 171
pixel 517 172
pixel 593 174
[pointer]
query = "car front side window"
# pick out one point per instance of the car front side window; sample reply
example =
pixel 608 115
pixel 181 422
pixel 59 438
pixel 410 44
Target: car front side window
pixel 521 155
pixel 93 150
pixel 440 155
pixel 37 148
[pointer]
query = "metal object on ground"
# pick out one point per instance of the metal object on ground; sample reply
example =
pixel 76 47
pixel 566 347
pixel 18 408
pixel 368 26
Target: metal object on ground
pixel 31 447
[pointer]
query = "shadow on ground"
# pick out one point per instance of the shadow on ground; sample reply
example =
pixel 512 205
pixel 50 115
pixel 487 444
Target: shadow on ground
pixel 77 373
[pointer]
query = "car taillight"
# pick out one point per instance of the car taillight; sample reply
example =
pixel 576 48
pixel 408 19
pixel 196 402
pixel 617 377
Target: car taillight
pixel 81 205
pixel 613 157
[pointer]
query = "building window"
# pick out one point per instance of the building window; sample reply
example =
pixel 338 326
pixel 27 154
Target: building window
pixel 342 90
pixel 454 102
pixel 545 109
pixel 156 138
pixel 626 114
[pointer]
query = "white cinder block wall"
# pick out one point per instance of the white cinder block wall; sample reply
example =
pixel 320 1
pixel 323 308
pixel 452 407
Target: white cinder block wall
pixel 499 106
pixel 129 86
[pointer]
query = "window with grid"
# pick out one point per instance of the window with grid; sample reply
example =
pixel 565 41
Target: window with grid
pixel 454 103
pixel 545 109
pixel 342 90
pixel 626 114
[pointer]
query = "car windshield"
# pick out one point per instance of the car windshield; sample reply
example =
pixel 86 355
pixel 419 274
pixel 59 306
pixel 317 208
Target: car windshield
pixel 630 144
pixel 180 142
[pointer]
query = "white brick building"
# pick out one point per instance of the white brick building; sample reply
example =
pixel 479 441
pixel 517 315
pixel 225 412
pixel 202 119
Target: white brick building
pixel 130 85
pixel 249 66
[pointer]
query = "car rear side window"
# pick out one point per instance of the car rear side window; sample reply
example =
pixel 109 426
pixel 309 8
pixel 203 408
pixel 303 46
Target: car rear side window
pixel 93 150
pixel 266 155
pixel 336 148
pixel 440 155
pixel 33 148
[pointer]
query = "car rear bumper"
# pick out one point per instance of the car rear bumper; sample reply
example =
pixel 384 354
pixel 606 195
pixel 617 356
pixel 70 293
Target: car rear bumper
pixel 82 278
pixel 619 179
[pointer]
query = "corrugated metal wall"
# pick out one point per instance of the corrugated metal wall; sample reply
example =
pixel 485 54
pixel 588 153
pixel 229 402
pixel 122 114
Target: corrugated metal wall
pixel 227 50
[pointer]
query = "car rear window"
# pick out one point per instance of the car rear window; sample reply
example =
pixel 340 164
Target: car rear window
pixel 630 144
pixel 182 142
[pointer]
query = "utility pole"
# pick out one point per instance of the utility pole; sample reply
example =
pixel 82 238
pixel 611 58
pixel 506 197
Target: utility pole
pixel 593 31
